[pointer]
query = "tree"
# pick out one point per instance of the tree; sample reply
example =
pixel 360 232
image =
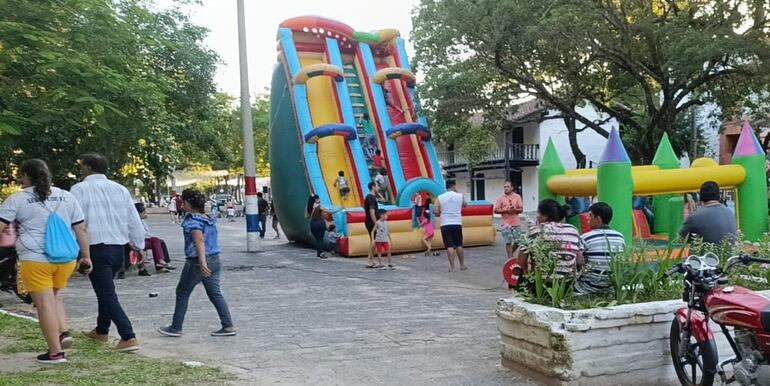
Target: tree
pixel 645 63
pixel 106 76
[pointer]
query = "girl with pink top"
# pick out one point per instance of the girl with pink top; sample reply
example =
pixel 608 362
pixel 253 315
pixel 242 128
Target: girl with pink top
pixel 426 222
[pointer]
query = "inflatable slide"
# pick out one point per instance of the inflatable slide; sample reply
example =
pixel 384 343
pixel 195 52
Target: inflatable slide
pixel 343 102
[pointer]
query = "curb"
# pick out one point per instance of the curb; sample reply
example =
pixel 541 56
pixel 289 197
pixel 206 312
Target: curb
pixel 15 315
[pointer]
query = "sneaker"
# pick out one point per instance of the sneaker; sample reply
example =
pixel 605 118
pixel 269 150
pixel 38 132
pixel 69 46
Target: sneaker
pixel 96 336
pixel 122 275
pixel 51 359
pixel 169 331
pixel 127 345
pixel 143 272
pixel 66 340
pixel 228 331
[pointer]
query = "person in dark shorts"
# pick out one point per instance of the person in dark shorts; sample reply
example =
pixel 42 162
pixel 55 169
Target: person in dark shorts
pixel 370 209
pixel 449 206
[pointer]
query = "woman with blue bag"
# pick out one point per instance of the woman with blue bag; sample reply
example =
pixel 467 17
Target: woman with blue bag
pixel 52 234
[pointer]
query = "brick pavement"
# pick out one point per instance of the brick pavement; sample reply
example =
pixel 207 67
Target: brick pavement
pixel 303 320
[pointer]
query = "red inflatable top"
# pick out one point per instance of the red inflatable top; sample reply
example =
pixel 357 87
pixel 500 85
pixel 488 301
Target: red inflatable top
pixel 319 26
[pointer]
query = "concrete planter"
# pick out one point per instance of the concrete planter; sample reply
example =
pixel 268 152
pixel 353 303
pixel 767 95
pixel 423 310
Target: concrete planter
pixel 620 345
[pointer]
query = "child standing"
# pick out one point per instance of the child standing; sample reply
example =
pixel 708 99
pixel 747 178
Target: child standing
pixel 201 248
pixel 381 237
pixel 427 225
pixel 342 184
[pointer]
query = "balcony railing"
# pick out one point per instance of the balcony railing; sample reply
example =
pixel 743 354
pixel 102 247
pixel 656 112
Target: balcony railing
pixel 517 152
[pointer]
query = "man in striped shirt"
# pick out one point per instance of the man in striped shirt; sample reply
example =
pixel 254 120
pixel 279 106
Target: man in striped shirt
pixel 598 246
pixel 112 223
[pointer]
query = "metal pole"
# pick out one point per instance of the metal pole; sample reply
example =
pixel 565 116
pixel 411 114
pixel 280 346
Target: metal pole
pixel 252 218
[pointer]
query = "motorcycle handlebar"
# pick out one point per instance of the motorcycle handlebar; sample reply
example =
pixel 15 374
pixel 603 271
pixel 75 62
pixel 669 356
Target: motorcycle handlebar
pixel 750 259
pixel 675 269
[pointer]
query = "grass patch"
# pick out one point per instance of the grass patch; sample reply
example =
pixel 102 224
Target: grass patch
pixel 92 363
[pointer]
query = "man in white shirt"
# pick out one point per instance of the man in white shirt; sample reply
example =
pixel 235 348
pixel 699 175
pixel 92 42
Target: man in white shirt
pixel 449 206
pixel 112 223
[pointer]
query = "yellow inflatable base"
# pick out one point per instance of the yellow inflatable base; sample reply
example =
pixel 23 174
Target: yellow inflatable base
pixel 477 231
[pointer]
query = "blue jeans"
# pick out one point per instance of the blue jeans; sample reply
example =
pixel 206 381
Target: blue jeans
pixel 107 261
pixel 318 229
pixel 191 276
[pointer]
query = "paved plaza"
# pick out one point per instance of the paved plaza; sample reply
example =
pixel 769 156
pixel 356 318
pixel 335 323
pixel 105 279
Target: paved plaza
pixel 303 320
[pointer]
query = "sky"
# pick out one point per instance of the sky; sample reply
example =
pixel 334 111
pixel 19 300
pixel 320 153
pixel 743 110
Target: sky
pixel 220 17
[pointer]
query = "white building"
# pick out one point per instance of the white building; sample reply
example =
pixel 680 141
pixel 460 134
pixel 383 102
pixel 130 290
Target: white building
pixel 523 140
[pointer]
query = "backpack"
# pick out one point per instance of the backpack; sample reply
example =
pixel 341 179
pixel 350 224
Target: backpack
pixel 60 245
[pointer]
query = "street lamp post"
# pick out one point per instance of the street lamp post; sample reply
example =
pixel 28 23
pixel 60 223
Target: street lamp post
pixel 252 218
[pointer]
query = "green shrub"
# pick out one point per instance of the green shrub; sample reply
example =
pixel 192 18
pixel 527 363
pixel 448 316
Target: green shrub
pixel 636 275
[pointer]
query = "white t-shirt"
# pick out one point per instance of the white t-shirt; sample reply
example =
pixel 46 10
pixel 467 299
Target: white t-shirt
pixel 341 183
pixel 451 206
pixel 381 181
pixel 25 208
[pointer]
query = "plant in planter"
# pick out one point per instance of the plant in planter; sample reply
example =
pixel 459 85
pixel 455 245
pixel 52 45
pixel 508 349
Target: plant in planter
pixel 636 275
pixel 544 285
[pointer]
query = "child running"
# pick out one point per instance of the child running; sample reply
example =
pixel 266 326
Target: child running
pixel 427 225
pixel 202 250
pixel 381 238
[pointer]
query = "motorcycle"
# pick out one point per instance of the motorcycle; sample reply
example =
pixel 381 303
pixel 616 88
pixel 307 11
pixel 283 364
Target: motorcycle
pixel 9 268
pixel 692 343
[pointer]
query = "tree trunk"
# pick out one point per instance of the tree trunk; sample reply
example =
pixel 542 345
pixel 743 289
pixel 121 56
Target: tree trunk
pixel 580 157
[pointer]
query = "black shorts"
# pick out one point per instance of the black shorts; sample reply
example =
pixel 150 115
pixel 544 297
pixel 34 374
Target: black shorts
pixel 452 235
pixel 369 228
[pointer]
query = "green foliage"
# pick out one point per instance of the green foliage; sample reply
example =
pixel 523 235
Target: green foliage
pixel 638 274
pixel 548 287
pixel 644 63
pixel 113 77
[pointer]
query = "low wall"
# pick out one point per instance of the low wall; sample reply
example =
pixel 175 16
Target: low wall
pixel 620 345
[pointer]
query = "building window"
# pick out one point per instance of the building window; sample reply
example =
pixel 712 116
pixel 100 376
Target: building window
pixel 480 188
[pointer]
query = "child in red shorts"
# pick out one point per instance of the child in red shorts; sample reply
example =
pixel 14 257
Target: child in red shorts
pixel 381 237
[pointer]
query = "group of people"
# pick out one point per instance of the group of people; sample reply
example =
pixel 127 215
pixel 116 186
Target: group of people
pixel 449 206
pixel 380 179
pixel 104 221
pixel 586 258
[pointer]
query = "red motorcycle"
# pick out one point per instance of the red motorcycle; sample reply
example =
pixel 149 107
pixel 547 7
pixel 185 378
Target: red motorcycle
pixel 692 343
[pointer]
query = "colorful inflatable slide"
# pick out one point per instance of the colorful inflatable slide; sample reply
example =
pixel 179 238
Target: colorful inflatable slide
pixel 338 98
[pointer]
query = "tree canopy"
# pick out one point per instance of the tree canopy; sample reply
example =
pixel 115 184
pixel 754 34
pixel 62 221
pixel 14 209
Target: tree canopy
pixel 115 77
pixel 644 63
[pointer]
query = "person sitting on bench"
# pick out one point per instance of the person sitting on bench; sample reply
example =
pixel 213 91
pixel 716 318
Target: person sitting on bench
pixel 156 245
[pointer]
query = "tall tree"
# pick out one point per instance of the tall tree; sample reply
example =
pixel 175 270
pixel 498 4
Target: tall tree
pixel 644 63
pixel 107 76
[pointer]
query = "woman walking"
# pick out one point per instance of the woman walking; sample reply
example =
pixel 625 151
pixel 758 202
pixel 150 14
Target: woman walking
pixel 315 212
pixel 44 277
pixel 201 247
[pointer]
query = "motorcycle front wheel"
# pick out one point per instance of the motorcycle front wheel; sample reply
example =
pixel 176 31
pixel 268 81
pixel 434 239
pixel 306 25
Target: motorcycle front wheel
pixel 698 365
